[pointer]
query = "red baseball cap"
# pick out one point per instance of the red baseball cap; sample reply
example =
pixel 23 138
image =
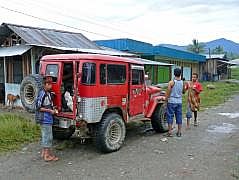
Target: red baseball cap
pixel 48 79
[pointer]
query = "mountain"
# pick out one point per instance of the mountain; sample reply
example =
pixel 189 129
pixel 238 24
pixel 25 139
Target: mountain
pixel 228 45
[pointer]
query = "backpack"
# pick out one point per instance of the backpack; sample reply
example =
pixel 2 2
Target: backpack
pixel 39 115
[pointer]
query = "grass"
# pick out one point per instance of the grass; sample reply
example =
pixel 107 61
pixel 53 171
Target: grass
pixel 15 131
pixel 235 73
pixel 213 97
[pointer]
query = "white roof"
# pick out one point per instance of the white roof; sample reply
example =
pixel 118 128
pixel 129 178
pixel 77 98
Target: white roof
pixel 212 56
pixel 149 62
pixel 13 50
pixel 235 61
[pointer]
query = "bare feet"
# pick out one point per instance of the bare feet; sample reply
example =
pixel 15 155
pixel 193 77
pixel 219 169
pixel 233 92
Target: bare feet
pixel 48 158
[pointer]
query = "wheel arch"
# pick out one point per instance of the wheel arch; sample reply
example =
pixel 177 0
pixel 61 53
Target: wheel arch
pixel 153 105
pixel 116 110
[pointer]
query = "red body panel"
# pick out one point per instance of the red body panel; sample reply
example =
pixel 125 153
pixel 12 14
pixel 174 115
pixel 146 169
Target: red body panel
pixel 131 99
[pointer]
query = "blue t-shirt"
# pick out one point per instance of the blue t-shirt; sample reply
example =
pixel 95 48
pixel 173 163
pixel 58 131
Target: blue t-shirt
pixel 44 100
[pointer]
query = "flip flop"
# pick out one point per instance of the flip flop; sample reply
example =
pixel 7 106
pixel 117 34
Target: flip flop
pixel 179 134
pixel 169 135
pixel 50 158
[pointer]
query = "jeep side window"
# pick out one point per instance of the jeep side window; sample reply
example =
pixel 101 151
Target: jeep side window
pixel 52 70
pixel 88 73
pixel 102 74
pixel 137 77
pixel 116 74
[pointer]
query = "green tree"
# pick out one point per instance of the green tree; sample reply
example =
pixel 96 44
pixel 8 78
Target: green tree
pixel 218 50
pixel 196 47
pixel 232 56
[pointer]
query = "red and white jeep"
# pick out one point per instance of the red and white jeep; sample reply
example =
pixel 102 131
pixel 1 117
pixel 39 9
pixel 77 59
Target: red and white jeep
pixel 108 92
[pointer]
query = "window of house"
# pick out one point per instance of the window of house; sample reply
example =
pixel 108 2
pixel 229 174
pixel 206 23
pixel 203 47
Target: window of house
pixel 116 74
pixel 17 71
pixel 137 77
pixel 1 71
pixel 88 73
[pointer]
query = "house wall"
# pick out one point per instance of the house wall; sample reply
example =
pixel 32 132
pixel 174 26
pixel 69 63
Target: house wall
pixel 210 70
pixel 13 89
pixel 188 67
pixel 17 67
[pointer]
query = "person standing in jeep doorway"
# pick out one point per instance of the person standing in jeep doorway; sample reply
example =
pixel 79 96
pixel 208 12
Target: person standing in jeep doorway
pixel 174 99
pixel 44 114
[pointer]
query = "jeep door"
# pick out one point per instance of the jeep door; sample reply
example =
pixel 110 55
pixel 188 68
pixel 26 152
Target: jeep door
pixel 54 69
pixel 137 90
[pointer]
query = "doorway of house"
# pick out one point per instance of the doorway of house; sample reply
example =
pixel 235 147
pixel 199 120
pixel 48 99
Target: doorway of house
pixel 2 85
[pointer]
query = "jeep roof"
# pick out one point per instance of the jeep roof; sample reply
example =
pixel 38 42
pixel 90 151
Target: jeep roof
pixel 90 57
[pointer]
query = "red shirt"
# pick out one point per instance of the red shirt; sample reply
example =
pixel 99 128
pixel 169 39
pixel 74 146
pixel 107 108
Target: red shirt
pixel 196 86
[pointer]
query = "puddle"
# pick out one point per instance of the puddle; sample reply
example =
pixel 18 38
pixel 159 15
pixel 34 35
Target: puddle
pixel 224 128
pixel 230 115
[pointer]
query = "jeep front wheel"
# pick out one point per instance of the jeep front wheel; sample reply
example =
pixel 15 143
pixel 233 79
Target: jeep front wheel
pixel 158 119
pixel 110 133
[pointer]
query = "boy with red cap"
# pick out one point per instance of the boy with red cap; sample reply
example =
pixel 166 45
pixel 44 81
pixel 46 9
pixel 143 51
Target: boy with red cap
pixel 44 115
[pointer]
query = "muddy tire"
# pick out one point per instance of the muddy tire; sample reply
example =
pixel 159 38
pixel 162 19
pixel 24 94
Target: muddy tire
pixel 62 133
pixel 110 133
pixel 158 119
pixel 29 89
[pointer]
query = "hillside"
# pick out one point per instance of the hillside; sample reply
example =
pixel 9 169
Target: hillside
pixel 228 45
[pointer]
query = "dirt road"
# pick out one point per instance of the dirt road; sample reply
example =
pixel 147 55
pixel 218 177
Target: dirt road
pixel 207 152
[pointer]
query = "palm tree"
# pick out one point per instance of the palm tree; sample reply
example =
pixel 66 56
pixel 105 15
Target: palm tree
pixel 218 50
pixel 196 47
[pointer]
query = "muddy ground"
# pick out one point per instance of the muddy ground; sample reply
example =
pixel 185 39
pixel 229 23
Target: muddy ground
pixel 207 152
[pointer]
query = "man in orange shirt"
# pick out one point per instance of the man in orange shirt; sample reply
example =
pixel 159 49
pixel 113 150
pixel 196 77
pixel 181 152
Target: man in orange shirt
pixel 194 89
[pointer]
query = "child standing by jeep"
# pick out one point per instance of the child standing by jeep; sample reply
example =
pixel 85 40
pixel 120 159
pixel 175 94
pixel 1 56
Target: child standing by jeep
pixel 44 115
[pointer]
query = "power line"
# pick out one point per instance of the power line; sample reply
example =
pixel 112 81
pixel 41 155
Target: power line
pixel 54 22
pixel 83 20
pixel 77 18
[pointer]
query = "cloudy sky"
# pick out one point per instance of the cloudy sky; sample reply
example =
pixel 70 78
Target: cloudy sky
pixel 152 21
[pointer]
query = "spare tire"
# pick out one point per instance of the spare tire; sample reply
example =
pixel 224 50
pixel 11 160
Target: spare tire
pixel 29 89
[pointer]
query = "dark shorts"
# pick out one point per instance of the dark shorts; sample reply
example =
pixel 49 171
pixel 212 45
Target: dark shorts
pixel 174 109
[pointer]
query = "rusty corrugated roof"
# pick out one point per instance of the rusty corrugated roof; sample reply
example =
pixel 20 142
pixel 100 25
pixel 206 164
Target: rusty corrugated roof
pixel 51 37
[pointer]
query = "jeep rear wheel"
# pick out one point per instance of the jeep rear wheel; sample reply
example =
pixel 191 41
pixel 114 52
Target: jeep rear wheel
pixel 29 90
pixel 110 133
pixel 158 119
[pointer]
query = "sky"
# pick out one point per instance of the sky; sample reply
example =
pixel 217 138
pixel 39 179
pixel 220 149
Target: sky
pixel 152 21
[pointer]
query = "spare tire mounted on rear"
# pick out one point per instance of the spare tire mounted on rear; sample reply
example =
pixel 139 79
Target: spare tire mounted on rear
pixel 29 89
